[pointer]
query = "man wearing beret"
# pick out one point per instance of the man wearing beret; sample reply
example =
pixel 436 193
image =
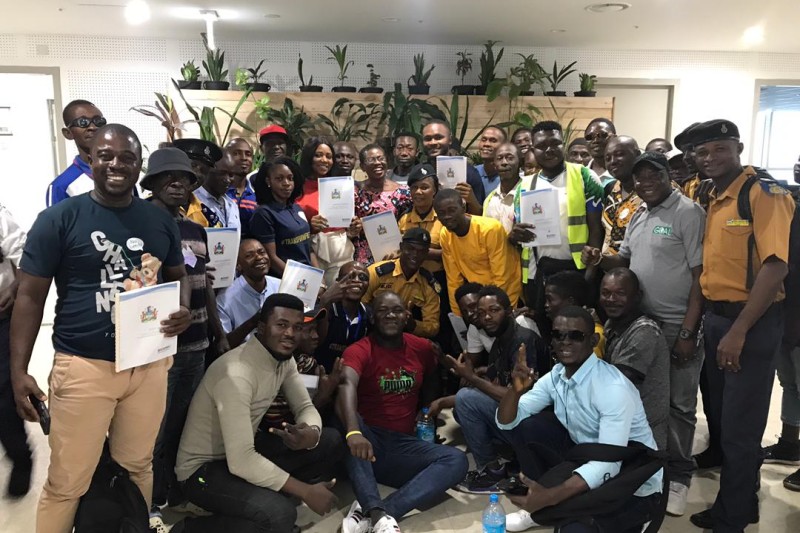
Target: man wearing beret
pixel 415 285
pixel 745 259
pixel 203 156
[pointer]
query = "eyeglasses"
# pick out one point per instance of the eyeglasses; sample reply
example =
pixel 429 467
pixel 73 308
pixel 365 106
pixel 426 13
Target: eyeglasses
pixel 373 160
pixel 599 135
pixel 83 122
pixel 572 334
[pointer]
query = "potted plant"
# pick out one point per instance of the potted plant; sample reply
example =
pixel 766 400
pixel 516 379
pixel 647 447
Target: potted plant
pixel 587 85
pixel 249 78
pixel 306 87
pixel 339 54
pixel 190 74
pixel 488 66
pixel 214 65
pixel 557 77
pixel 372 84
pixel 420 76
pixel 463 66
pixel 530 74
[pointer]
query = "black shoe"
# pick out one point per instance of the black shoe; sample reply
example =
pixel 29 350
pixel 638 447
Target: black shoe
pixel 792 481
pixel 19 483
pixel 708 459
pixel 784 452
pixel 482 481
pixel 513 486
pixel 704 520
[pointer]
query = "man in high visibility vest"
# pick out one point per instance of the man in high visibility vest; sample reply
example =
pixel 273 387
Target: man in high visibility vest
pixel 580 201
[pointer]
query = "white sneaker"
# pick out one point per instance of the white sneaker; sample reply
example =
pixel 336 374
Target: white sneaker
pixel 157 524
pixel 387 524
pixel 676 505
pixel 519 521
pixel 355 521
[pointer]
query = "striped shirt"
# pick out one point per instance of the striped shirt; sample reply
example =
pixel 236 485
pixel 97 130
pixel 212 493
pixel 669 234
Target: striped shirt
pixel 247 204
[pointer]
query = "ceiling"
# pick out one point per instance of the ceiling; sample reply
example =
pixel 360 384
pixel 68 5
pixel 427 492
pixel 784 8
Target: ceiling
pixel 648 24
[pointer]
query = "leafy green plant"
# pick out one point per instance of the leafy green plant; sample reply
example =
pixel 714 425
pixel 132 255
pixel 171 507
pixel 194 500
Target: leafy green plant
pixel 403 114
pixel 420 76
pixel 350 120
pixel 189 71
pixel 295 121
pixel 373 78
pixel 522 78
pixel 556 77
pixel 256 73
pixel 489 64
pixel 339 54
pixel 241 78
pixel 214 63
pixel 164 111
pixel 587 82
pixel 300 72
pixel 533 114
pixel 207 121
pixel 459 124
pixel 464 65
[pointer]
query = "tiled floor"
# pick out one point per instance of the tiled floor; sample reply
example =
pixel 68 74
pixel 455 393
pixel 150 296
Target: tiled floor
pixel 780 508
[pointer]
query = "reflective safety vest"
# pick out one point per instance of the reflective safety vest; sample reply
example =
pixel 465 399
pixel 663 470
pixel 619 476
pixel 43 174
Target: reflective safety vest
pixel 577 227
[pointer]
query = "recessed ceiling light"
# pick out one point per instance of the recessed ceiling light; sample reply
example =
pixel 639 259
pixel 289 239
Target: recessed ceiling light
pixel 137 12
pixel 272 16
pixel 611 7
pixel 753 35
pixel 390 19
pixel 558 31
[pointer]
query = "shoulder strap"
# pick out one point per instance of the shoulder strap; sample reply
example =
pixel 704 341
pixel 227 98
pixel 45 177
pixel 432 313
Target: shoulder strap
pixel 428 276
pixel 384 269
pixel 746 213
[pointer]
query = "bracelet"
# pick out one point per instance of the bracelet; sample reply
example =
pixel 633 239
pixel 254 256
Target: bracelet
pixel 599 260
pixel 319 436
pixel 352 433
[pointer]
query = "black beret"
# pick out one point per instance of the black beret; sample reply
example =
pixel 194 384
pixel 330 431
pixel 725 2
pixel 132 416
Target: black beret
pixel 200 150
pixel 713 130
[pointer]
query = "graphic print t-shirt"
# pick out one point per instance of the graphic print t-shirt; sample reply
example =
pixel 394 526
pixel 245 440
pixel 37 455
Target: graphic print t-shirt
pixel 390 380
pixel 93 252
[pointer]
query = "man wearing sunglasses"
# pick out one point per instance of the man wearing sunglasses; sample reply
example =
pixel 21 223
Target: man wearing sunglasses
pixel 81 121
pixel 592 402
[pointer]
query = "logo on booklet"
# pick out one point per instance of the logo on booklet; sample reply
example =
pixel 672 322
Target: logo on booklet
pixel 382 229
pixel 219 249
pixel 537 209
pixel 149 314
pixel 336 194
pixel 302 285
pixel 451 173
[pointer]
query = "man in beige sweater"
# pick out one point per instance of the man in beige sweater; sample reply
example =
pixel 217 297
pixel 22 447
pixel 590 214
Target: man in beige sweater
pixel 218 463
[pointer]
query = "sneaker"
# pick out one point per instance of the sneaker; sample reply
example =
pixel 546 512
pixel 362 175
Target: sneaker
pixel 705 520
pixel 19 482
pixel 519 521
pixel 355 521
pixel 157 524
pixel 708 459
pixel 792 481
pixel 482 481
pixel 191 509
pixel 784 452
pixel 676 505
pixel 386 524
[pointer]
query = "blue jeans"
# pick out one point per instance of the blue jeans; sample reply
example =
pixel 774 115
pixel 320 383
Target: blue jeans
pixel 421 471
pixel 182 380
pixel 789 377
pixel 475 413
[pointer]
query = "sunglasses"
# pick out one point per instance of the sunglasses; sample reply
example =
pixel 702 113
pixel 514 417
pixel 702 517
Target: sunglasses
pixel 83 122
pixel 600 135
pixel 572 334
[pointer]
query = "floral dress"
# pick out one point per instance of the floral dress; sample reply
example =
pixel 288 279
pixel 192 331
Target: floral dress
pixel 368 203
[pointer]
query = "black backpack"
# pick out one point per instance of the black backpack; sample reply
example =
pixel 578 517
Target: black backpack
pixel 792 281
pixel 113 503
pixel 639 463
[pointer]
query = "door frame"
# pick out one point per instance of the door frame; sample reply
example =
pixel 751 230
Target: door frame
pixel 670 84
pixel 757 85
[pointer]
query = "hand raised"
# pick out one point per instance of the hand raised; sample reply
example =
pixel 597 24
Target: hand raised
pixel 522 377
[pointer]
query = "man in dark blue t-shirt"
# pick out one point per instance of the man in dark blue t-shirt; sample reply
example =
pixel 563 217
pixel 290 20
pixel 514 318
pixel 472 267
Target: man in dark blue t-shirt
pixel 95 245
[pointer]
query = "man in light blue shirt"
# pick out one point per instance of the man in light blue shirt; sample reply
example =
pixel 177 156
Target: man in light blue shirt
pixel 592 402
pixel 218 208
pixel 240 304
pixel 491 137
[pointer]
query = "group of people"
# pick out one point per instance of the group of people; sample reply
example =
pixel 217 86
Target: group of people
pixel 673 273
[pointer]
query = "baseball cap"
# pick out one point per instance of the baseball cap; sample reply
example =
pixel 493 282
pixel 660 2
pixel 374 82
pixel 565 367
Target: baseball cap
pixel 272 129
pixel 654 159
pixel 312 315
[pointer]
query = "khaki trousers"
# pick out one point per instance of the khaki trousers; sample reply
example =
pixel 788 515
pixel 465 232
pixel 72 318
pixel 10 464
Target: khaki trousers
pixel 88 400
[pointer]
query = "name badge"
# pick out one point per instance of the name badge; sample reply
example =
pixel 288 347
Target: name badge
pixel 735 222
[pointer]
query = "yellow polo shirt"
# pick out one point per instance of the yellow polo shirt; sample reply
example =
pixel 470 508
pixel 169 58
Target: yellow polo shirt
pixel 429 223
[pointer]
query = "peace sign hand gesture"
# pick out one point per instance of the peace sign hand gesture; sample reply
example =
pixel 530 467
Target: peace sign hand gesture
pixel 522 377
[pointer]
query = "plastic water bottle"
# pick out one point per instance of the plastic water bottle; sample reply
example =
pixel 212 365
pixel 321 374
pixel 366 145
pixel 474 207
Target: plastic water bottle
pixel 426 429
pixel 494 516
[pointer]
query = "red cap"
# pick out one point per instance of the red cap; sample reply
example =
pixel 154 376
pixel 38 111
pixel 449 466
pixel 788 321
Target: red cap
pixel 272 128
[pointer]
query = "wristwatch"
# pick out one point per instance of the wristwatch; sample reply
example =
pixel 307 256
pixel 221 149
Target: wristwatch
pixel 686 334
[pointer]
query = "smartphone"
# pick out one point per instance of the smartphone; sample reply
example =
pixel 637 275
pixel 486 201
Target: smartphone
pixel 44 413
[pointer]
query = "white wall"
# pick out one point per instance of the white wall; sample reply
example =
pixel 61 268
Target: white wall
pixel 117 73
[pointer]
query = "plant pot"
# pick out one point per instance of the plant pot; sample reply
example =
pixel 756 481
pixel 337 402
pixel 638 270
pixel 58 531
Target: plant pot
pixel 555 93
pixel 310 88
pixel 191 85
pixel 480 91
pixel 463 89
pixel 259 87
pixel 344 89
pixel 371 90
pixel 419 89
pixel 527 93
pixel 216 85
pixel 585 94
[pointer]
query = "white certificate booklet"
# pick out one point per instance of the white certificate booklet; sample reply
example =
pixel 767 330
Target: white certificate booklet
pixel 540 208
pixel 137 324
pixel 383 234
pixel 337 200
pixel 460 327
pixel 223 249
pixel 302 281
pixel 451 170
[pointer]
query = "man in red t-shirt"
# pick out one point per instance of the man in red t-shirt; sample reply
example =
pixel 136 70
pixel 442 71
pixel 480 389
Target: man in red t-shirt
pixel 387 377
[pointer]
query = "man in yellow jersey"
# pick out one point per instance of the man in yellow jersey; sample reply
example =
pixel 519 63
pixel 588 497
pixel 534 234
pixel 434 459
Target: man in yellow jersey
pixel 745 259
